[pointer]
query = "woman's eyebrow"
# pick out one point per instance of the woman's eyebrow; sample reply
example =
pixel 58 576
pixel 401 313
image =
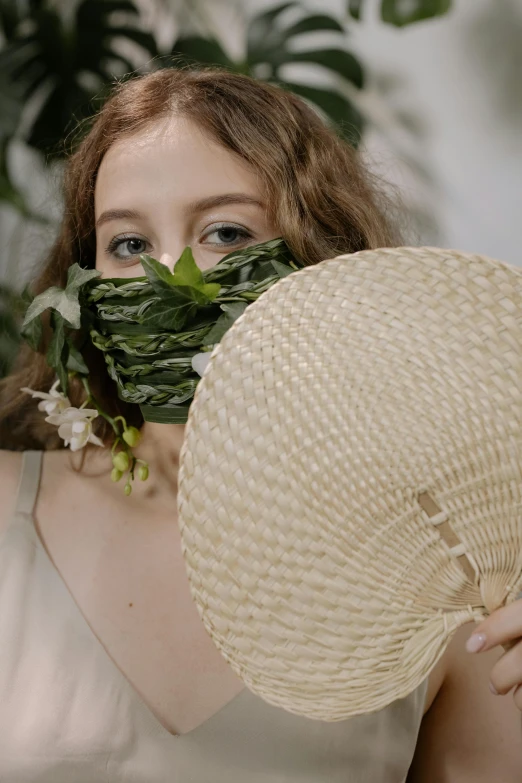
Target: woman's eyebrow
pixel 200 205
pixel 117 214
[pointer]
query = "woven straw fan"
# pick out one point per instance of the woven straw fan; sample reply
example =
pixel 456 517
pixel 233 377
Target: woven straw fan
pixel 351 479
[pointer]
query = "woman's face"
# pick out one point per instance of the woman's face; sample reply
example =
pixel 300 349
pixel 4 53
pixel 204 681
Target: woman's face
pixel 171 186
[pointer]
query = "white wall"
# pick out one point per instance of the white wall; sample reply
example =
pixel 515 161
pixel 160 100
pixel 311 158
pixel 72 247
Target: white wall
pixel 464 76
pixel 465 73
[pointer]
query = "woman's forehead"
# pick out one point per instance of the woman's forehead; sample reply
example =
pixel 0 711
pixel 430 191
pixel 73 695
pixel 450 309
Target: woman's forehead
pixel 170 158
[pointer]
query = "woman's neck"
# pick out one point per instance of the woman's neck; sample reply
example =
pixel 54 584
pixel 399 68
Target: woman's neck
pixel 160 443
pixel 160 447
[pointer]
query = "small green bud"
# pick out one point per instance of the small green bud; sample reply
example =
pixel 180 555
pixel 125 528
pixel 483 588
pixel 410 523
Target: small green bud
pixel 116 474
pixel 143 472
pixel 121 461
pixel 127 489
pixel 132 436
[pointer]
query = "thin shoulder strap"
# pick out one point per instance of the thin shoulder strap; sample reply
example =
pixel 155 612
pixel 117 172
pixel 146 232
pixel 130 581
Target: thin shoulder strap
pixel 29 482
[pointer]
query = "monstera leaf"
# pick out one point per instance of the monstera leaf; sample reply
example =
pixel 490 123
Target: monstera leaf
pixel 403 12
pixel 273 44
pixel 68 58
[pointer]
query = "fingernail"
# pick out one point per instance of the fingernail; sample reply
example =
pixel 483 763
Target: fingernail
pixel 476 642
pixel 493 689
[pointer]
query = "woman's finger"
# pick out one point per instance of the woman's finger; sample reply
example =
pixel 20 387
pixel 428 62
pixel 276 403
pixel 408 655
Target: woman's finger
pixel 501 627
pixel 507 672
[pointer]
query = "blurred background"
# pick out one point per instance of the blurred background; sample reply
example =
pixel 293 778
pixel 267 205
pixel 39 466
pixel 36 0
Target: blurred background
pixel 430 91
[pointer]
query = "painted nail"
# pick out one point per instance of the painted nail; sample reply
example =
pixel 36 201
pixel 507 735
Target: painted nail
pixel 493 689
pixel 476 642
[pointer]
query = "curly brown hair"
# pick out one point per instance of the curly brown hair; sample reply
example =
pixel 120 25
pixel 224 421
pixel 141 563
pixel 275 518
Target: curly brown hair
pixel 321 197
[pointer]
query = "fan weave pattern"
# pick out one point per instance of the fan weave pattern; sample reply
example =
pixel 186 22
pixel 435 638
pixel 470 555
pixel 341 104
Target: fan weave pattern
pixel 351 478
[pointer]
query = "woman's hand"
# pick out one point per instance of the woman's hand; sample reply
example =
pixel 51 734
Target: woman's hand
pixel 503 627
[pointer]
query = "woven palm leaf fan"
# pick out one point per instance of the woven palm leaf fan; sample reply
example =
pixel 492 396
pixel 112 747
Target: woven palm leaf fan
pixel 351 478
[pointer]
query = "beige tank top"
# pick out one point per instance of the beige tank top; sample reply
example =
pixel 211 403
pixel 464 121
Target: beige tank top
pixel 69 715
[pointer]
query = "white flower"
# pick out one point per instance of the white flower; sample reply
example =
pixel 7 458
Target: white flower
pixel 75 427
pixel 52 402
pixel 200 361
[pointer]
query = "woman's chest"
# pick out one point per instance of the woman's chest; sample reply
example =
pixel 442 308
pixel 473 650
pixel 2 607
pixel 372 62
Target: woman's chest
pixel 129 583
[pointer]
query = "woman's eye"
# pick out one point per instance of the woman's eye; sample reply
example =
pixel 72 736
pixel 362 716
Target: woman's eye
pixel 127 247
pixel 227 235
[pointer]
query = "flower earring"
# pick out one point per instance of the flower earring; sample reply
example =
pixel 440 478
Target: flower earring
pixel 75 429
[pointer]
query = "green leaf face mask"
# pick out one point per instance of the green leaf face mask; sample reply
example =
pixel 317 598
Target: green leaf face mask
pixel 151 328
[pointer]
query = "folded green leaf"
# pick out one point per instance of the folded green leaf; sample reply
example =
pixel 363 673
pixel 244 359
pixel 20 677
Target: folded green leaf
pixel 180 293
pixel 231 312
pixel 282 269
pixel 75 361
pixel 171 311
pixel 144 334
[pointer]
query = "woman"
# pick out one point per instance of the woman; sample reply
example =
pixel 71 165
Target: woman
pixel 106 672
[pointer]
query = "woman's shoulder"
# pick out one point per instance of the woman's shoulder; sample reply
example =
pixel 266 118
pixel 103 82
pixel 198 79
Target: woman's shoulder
pixel 10 467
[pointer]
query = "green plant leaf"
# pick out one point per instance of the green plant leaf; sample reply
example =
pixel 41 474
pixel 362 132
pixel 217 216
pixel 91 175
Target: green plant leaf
pixel 203 50
pixel 282 269
pixel 344 114
pixel 181 294
pixel 110 6
pixel 57 351
pixel 32 333
pixel 140 37
pixel 186 271
pixel 64 301
pixel 231 312
pixel 11 14
pixel 310 24
pixel 354 8
pixel 57 46
pixel 187 279
pixel 403 12
pixel 77 277
pixel 63 376
pixel 172 311
pixel 11 195
pixel 75 361
pixel 49 298
pixel 68 306
pixel 156 272
pixel 57 342
pixel 337 60
pixel 264 34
